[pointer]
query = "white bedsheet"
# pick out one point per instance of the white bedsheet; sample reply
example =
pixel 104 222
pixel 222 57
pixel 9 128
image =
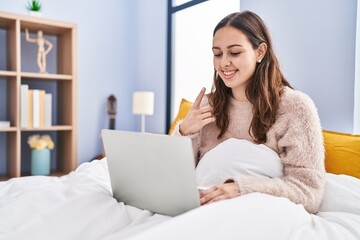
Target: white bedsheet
pixel 80 206
pixel 76 206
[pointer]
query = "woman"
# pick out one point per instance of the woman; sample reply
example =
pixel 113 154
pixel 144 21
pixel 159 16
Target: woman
pixel 252 100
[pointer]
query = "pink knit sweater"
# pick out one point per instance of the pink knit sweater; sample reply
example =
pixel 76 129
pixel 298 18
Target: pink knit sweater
pixel 296 136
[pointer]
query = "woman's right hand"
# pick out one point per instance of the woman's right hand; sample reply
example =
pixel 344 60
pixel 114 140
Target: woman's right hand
pixel 197 117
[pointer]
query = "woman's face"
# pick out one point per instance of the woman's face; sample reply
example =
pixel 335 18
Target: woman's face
pixel 234 58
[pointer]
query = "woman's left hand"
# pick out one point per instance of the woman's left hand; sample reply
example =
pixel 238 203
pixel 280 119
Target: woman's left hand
pixel 219 192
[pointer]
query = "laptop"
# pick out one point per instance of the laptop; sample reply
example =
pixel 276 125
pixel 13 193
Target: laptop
pixel 152 171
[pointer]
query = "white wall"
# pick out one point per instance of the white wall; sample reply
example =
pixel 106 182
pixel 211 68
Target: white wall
pixel 315 43
pixel 357 75
pixel 148 68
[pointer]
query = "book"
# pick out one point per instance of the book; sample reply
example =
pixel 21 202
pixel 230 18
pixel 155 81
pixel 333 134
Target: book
pixel 41 108
pixel 24 88
pixel 30 108
pixel 48 110
pixel 36 108
pixel 4 124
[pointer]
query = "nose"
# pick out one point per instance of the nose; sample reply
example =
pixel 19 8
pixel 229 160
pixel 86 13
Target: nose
pixel 225 61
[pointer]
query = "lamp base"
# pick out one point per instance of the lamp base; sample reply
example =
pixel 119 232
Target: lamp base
pixel 142 123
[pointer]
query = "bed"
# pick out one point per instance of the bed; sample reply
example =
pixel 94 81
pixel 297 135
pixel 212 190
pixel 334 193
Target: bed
pixel 80 205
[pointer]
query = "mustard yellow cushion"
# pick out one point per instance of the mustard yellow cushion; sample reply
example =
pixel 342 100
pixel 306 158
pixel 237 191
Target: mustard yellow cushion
pixel 184 108
pixel 342 153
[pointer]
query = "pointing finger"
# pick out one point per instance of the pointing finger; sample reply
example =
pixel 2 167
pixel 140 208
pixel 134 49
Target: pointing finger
pixel 199 98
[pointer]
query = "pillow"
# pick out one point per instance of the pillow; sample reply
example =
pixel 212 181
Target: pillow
pixel 342 153
pixel 239 157
pixel 184 108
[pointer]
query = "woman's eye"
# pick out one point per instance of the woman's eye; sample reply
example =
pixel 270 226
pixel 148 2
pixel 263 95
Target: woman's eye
pixel 217 54
pixel 235 53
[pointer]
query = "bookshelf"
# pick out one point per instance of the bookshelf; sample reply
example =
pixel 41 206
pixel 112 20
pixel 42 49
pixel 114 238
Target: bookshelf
pixel 17 68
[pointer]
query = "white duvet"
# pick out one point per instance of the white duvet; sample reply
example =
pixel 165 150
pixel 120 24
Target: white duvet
pixel 80 206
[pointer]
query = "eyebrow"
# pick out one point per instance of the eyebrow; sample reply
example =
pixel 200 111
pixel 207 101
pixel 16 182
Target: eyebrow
pixel 230 46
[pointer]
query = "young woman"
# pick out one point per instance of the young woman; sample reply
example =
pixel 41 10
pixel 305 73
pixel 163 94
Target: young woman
pixel 252 100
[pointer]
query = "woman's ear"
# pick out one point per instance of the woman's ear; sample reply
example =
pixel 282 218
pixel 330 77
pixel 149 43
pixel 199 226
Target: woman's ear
pixel 261 50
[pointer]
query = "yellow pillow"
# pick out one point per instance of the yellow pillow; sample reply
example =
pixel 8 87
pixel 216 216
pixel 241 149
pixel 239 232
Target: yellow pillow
pixel 342 153
pixel 184 108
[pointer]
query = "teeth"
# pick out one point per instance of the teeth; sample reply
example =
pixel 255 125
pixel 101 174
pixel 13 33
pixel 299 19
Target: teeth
pixel 229 73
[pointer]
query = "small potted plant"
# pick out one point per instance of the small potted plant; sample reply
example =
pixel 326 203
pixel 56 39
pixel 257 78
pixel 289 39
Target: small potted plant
pixel 40 154
pixel 34 7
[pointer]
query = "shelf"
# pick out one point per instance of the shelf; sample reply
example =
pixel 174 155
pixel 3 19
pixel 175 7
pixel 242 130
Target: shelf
pixel 5 23
pixel 10 129
pixel 48 25
pixel 19 66
pixel 28 174
pixel 58 173
pixel 4 178
pixel 52 128
pixel 7 74
pixel 46 76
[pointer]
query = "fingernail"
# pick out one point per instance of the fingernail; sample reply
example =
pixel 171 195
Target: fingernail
pixel 203 89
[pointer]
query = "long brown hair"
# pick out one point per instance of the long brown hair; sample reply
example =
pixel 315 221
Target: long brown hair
pixel 264 88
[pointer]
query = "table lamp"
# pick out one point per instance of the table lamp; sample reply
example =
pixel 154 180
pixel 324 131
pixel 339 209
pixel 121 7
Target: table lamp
pixel 143 104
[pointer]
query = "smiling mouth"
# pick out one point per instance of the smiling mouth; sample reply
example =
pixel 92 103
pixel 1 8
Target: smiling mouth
pixel 229 74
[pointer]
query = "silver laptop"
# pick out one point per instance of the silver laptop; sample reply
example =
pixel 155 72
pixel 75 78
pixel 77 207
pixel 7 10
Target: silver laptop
pixel 152 171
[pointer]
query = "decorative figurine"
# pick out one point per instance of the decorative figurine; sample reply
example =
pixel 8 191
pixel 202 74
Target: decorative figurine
pixel 42 51
pixel 111 109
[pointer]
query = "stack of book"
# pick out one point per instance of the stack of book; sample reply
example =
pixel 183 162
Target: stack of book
pixel 4 124
pixel 35 108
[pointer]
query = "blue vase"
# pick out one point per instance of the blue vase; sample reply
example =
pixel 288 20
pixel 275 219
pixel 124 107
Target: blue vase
pixel 40 162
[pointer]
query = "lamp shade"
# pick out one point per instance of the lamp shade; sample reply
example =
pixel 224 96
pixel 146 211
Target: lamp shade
pixel 143 103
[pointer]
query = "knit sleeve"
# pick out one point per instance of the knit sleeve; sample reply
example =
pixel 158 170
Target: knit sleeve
pixel 301 148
